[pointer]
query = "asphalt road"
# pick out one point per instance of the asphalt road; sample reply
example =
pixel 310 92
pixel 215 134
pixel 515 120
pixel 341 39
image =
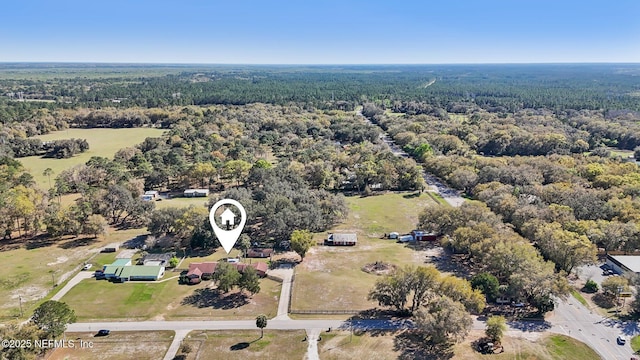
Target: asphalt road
pixel 238 325
pixel 571 318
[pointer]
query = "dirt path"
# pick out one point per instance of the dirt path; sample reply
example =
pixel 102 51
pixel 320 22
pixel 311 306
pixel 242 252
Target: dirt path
pixel 451 196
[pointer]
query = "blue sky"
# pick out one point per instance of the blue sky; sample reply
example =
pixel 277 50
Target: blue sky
pixel 321 31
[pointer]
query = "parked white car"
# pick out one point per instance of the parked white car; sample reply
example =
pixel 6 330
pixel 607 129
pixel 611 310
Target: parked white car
pixel 87 266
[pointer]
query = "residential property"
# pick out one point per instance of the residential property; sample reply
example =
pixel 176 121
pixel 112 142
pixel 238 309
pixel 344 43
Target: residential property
pixel 341 239
pixel 204 271
pixel 196 193
pixel 259 252
pixel 419 235
pixel 261 268
pixel 624 264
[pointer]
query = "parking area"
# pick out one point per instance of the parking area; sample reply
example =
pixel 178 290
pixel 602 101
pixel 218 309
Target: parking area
pixel 596 273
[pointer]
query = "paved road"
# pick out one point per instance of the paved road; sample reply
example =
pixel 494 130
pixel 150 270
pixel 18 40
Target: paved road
pixel 571 318
pixel 450 195
pixel 237 325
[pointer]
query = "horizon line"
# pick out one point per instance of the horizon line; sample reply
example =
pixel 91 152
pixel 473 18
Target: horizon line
pixel 318 64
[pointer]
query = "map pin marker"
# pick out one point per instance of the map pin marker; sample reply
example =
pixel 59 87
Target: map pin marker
pixel 227 238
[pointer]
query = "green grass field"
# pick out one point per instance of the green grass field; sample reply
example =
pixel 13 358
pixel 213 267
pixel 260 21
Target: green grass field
pixel 29 268
pixel 576 294
pixel 635 343
pixel 331 278
pixel 102 142
pixel 564 347
pixel 99 300
pixel 246 344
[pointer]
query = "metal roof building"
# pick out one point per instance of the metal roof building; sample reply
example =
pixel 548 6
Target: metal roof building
pixel 624 264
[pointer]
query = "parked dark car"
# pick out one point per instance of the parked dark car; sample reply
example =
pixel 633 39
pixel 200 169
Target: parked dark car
pixel 103 332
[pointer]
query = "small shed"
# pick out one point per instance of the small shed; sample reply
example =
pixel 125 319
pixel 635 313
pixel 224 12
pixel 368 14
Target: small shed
pixel 342 239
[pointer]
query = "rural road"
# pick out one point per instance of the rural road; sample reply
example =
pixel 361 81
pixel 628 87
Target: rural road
pixel 237 325
pixel 573 319
pixel 451 196
pixel 570 318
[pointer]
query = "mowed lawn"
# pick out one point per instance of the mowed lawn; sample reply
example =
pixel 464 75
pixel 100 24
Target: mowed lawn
pixel 119 345
pixel 30 267
pixel 95 300
pixel 246 344
pixel 102 142
pixel 331 277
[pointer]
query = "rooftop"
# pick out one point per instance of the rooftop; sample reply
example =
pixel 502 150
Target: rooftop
pixel 632 262
pixel 343 237
pixel 128 271
pixel 121 262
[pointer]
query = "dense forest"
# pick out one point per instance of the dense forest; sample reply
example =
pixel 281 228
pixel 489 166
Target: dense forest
pixel 538 145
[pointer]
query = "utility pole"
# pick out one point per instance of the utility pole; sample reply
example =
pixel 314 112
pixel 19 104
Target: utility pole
pixel 620 288
pixel 20 299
